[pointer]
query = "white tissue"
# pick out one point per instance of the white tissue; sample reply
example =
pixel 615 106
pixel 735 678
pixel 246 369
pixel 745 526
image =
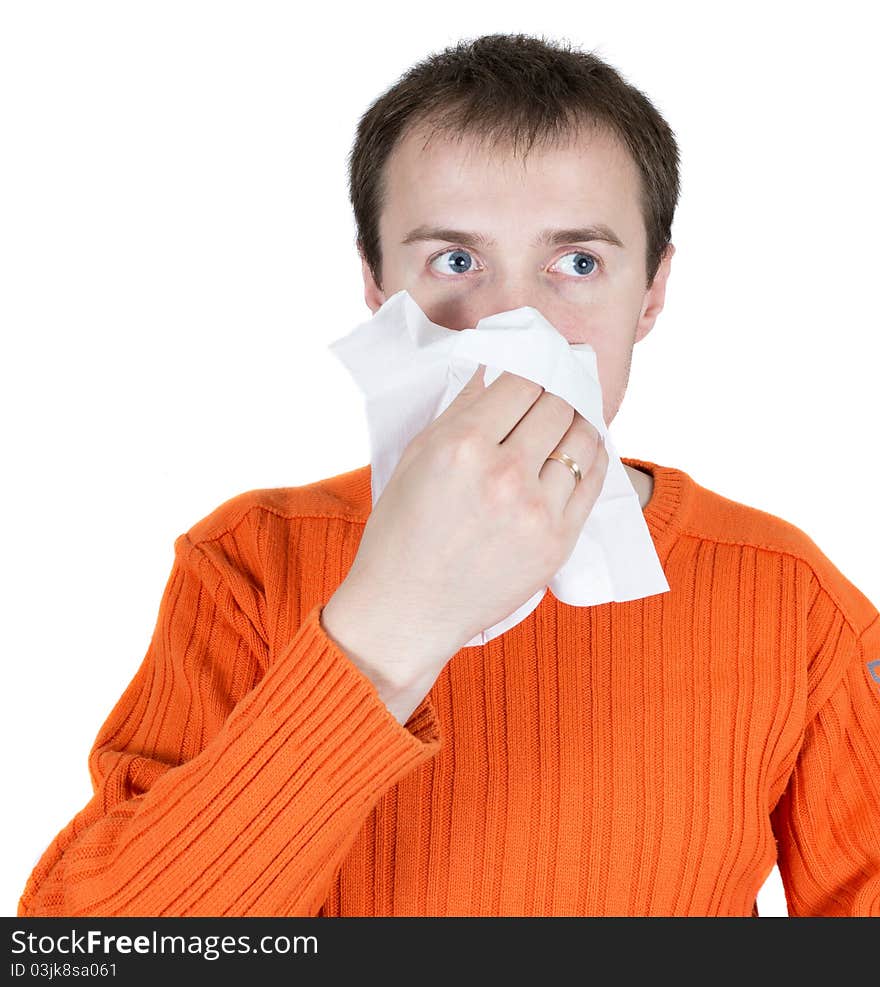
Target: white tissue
pixel 410 370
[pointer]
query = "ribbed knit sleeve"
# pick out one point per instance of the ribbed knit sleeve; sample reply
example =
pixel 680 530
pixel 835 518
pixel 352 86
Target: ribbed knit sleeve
pixel 827 822
pixel 228 779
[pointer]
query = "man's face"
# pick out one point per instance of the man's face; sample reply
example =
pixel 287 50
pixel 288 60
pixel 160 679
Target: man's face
pixel 461 232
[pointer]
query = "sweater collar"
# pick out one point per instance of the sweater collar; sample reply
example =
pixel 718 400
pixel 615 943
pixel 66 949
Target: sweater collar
pixel 671 501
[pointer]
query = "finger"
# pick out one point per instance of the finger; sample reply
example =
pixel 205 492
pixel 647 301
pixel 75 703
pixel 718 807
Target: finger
pixel 541 429
pixel 587 492
pixel 496 411
pixel 581 442
pixel 473 387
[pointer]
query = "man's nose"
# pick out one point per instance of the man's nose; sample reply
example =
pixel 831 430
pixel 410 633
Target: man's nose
pixel 505 301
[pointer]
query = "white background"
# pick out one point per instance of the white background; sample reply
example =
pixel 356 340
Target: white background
pixel 177 253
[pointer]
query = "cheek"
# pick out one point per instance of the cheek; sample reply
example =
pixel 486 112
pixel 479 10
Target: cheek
pixel 588 325
pixel 605 323
pixel 451 312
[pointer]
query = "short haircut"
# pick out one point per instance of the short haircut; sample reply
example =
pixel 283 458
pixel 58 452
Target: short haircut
pixel 513 90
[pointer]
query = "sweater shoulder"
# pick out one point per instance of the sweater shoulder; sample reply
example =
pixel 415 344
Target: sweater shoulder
pixel 722 520
pixel 345 496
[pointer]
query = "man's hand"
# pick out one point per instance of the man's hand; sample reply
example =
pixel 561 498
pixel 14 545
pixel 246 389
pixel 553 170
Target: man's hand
pixel 474 520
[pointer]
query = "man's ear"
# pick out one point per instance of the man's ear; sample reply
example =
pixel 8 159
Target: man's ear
pixel 655 296
pixel 373 294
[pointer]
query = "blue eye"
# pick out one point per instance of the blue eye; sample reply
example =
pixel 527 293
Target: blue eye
pixel 585 263
pixel 459 261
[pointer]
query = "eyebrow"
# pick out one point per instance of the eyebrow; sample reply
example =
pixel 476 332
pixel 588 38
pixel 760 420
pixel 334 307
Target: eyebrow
pixel 549 237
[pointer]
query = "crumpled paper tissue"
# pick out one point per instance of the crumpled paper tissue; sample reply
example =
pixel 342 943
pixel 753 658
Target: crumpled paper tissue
pixel 409 370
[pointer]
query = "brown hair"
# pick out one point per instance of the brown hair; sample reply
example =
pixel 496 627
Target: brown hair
pixel 507 87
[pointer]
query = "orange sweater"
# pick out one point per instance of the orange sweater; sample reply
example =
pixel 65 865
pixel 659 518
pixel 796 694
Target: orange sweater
pixel 653 757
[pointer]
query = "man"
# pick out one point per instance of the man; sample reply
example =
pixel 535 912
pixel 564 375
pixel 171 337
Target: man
pixel 306 734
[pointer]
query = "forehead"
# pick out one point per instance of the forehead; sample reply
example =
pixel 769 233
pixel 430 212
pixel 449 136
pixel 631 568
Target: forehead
pixel 462 180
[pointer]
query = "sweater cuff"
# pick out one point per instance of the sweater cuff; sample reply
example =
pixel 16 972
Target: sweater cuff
pixel 348 696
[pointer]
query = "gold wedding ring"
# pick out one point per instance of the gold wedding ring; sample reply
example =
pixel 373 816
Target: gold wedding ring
pixel 569 462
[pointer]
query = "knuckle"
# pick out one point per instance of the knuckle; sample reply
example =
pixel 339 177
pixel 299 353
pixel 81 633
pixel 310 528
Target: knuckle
pixel 464 447
pixel 505 484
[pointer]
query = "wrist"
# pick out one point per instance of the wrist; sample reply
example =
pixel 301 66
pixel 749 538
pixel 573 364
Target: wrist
pixel 353 626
